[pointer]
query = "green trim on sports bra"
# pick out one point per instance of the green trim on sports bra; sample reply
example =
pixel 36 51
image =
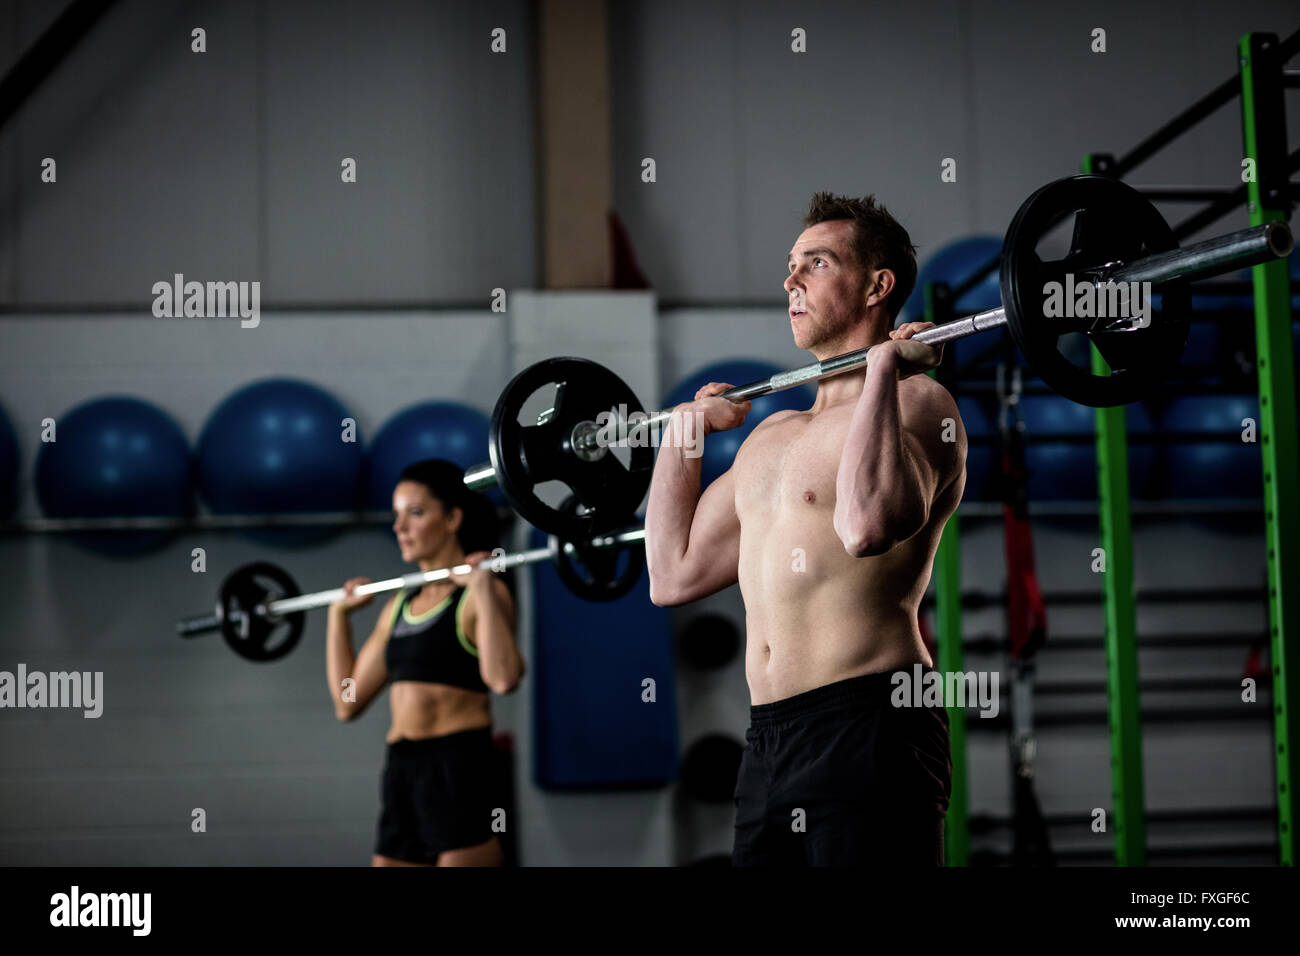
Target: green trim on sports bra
pixel 427 615
pixel 460 626
pixel 403 606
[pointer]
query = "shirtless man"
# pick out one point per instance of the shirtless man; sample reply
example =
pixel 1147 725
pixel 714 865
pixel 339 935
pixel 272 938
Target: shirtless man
pixel 829 520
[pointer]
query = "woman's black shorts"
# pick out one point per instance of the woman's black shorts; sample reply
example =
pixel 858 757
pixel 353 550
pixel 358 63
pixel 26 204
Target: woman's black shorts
pixel 436 794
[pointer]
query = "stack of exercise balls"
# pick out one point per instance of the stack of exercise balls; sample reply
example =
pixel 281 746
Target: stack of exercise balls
pixel 1061 450
pixel 1216 448
pixel 277 447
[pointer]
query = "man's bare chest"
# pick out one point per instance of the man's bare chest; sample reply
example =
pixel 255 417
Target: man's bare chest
pixel 789 464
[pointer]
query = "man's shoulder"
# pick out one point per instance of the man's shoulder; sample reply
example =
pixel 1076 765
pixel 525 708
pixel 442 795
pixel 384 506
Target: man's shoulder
pixel 778 417
pixel 927 396
pixel 762 433
pixel 931 417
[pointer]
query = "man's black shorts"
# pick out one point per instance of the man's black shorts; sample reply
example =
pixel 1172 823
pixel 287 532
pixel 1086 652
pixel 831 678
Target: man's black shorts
pixel 837 776
pixel 436 795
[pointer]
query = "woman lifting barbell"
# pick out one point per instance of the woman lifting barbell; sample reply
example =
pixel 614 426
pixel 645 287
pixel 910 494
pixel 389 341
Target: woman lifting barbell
pixel 444 647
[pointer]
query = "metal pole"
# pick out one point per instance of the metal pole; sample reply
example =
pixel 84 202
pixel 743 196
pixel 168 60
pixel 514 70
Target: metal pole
pixel 1128 789
pixel 1263 123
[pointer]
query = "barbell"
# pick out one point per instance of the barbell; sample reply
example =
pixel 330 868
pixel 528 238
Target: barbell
pixel 261 613
pixel 1118 238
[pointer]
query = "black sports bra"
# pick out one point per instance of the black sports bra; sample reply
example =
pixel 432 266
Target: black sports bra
pixel 432 646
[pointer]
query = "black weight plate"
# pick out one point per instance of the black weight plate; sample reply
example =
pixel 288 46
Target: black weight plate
pixel 525 456
pixel 597 574
pixel 252 634
pixel 1113 223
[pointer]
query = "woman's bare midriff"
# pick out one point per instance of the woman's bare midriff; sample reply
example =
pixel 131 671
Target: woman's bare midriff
pixel 421 709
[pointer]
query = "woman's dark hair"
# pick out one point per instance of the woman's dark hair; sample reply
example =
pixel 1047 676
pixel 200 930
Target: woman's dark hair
pixel 480 527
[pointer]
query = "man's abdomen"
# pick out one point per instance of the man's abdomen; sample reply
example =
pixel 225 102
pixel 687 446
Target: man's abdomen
pixel 814 614
pixel 788 653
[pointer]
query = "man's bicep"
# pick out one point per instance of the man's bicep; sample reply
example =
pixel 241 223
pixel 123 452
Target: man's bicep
pixel 714 546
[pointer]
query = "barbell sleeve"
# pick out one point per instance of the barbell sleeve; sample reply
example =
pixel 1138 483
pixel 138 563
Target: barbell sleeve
pixel 1215 256
pixel 305 602
pixel 199 624
pixel 480 477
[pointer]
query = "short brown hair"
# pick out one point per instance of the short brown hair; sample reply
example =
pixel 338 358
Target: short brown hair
pixel 879 241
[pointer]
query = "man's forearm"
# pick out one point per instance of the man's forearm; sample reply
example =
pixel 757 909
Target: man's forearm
pixel 674 495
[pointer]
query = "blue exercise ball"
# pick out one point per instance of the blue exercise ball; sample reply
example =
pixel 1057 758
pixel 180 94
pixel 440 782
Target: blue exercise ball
pixel 1204 299
pixel 1061 450
pixel 1060 469
pixel 281 446
pixel 981 449
pixel 1204 352
pixel 1210 296
pixel 1224 465
pixel 720 448
pixel 1143 453
pixel 952 264
pixel 1293 268
pixel 116 457
pixel 8 467
pixel 444 430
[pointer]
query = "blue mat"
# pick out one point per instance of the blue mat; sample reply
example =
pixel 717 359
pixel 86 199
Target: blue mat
pixel 592 730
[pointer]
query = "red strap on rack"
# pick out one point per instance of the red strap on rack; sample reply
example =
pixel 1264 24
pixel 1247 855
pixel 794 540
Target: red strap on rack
pixel 1026 610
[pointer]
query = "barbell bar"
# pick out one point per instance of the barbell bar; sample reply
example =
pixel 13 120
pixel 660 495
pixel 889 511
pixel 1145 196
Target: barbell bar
pixel 305 602
pixel 260 612
pixel 1119 237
